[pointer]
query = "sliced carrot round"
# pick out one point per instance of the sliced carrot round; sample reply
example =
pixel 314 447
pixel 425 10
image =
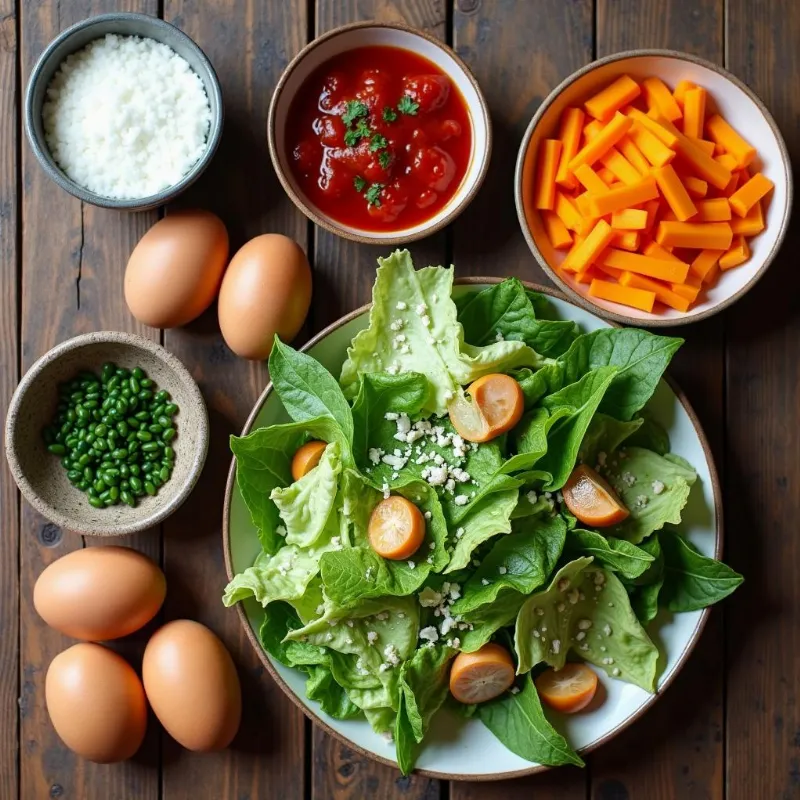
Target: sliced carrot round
pixel 569 689
pixel 306 458
pixel 482 675
pixel 496 407
pixel 589 497
pixel 396 528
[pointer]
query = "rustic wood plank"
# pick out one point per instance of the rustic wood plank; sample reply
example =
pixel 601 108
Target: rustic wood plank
pixel 249 44
pixel 763 348
pixel 73 257
pixel 518 51
pixel 681 734
pixel 9 355
pixel 343 274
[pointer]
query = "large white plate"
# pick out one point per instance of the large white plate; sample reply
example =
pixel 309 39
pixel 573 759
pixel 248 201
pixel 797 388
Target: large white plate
pixel 461 749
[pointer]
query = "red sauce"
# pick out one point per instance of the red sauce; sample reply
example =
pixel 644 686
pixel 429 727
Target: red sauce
pixel 379 138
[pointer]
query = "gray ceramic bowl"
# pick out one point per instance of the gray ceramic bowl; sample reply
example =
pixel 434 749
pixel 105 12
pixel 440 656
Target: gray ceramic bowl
pixel 77 37
pixel 40 475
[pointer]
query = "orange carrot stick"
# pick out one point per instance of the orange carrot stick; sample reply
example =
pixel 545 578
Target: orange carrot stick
pixel 556 230
pixel 656 95
pixel 655 250
pixel 698 160
pixel 723 134
pixel 608 101
pixel 569 214
pixel 680 91
pixel 606 175
pixel 590 180
pixel 707 147
pixel 634 155
pixel 586 253
pixel 738 254
pixel 621 167
pixel 627 240
pixel 695 235
pixel 675 271
pixel 666 135
pixel 602 143
pixel 751 224
pixel 674 192
pixel 545 187
pixel 717 209
pixel 685 290
pixel 653 149
pixel 663 293
pixel 651 207
pixel 745 197
pixel 569 134
pixel 629 219
pixel 624 197
pixel 705 262
pixel 695 186
pixel 636 298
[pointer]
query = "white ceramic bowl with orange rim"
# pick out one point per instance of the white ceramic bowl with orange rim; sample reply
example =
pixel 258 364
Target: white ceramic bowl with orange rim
pixel 371 34
pixel 728 96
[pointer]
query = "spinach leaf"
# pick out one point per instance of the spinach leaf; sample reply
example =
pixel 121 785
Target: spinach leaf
pixel 307 390
pixel 640 357
pixel 651 435
pixel 518 721
pixel 566 435
pixel 617 555
pixel 605 435
pixel 487 619
pixel 691 580
pixel 536 384
pixel 522 561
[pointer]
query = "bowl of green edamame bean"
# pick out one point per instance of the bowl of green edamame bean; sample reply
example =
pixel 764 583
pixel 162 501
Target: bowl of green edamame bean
pixel 106 434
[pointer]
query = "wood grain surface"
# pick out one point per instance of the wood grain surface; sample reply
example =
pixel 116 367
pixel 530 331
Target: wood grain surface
pixel 729 727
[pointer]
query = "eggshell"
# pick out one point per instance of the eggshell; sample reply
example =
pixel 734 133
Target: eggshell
pixel 174 273
pixel 96 703
pixel 99 593
pixel 192 685
pixel 266 290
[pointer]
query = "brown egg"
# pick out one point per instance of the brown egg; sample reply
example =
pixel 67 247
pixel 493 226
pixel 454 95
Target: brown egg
pixel 96 703
pixel 99 593
pixel 192 685
pixel 266 290
pixel 174 273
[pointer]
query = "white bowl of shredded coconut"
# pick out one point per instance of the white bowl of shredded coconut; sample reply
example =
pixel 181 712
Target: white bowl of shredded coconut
pixel 123 111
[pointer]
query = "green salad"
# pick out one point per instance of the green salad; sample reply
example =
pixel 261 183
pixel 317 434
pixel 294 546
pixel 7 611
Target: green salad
pixel 500 556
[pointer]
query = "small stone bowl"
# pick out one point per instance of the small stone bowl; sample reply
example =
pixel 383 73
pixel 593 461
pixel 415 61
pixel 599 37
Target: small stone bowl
pixel 39 474
pixel 77 37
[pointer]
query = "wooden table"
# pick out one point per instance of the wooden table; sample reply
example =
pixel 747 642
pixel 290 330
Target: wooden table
pixel 730 725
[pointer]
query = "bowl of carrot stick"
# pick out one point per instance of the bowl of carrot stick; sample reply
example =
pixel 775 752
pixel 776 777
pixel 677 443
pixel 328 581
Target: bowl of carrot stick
pixel 653 187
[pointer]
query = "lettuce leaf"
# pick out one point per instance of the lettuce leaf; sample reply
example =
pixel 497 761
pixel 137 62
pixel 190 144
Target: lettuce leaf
pixel 416 305
pixel 691 580
pixel 654 489
pixel 605 435
pixel 487 619
pixel 518 721
pixel 585 609
pixel 264 463
pixel 308 391
pixel 424 686
pixel 306 504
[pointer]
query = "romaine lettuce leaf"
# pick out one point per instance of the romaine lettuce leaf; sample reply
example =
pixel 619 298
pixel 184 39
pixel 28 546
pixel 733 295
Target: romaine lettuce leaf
pixel 264 463
pixel 306 504
pixel 308 391
pixel 518 721
pixel 585 609
pixel 640 358
pixel 691 580
pixel 413 328
pixel 522 561
pixel 424 686
pixel 653 488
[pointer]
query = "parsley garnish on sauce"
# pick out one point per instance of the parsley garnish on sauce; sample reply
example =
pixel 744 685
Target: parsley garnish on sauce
pixel 353 136
pixel 407 105
pixel 389 114
pixel 377 142
pixel 353 110
pixel 384 159
pixel 373 195
pixel 359 183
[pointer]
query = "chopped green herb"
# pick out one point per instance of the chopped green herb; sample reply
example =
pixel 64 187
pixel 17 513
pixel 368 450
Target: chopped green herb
pixel 354 135
pixel 389 114
pixel 377 142
pixel 407 105
pixel 384 159
pixel 373 195
pixel 359 183
pixel 353 110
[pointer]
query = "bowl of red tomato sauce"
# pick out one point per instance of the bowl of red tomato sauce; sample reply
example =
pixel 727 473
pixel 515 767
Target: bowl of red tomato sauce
pixel 379 133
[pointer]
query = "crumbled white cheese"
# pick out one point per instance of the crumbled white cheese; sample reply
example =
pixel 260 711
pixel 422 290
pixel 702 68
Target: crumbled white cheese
pixel 429 598
pixel 502 570
pixel 372 637
pixel 430 634
pixel 584 624
pixel 401 306
pixel 658 487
